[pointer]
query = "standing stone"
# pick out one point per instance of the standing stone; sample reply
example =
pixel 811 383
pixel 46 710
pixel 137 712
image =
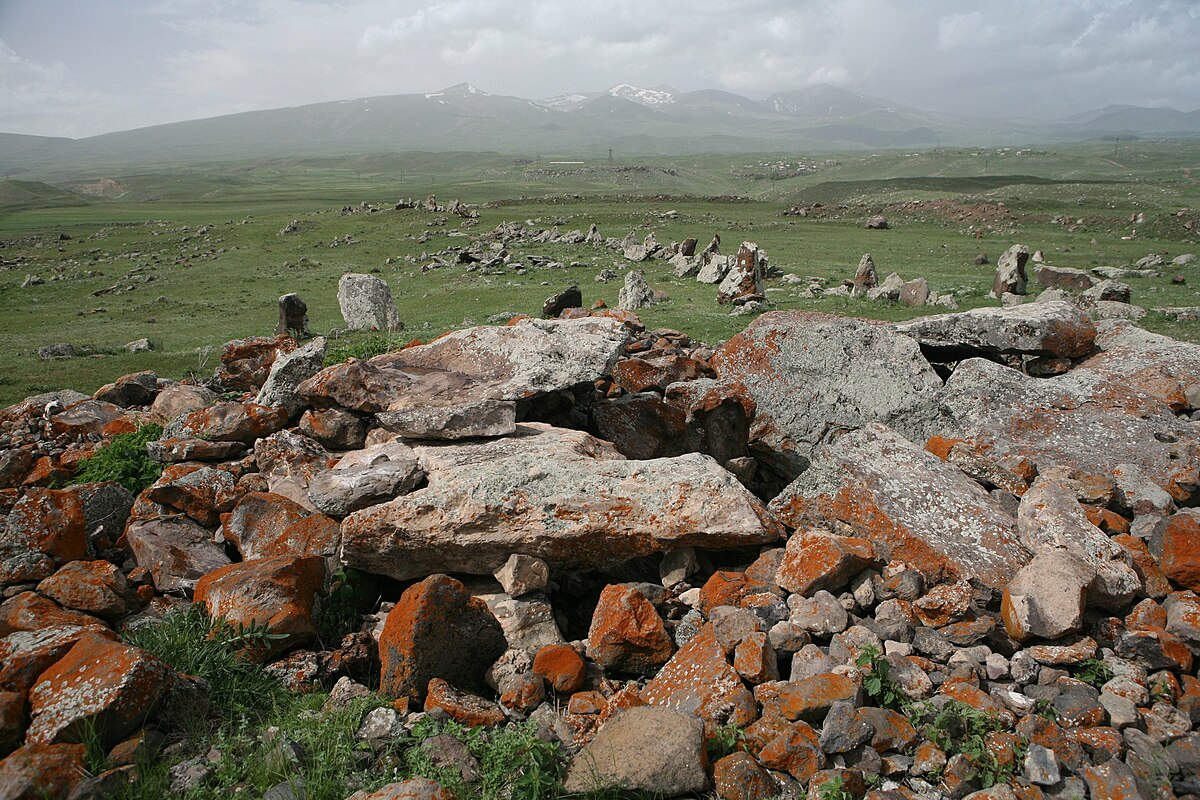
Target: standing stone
pixel 366 303
pixel 746 276
pixel 636 293
pixel 865 277
pixel 555 304
pixel 688 247
pixel 915 293
pixel 1010 271
pixel 293 316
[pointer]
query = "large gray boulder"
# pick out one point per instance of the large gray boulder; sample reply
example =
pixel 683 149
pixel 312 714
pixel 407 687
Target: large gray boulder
pixel 914 507
pixel 1040 329
pixel 652 750
pixel 561 495
pixel 366 303
pixel 815 375
pixel 636 293
pixel 516 362
pixel 288 371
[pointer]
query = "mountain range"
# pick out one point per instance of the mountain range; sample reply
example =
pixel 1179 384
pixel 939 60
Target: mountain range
pixel 629 120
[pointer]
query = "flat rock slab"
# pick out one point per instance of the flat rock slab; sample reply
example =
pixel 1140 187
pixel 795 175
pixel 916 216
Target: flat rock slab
pixel 813 375
pixel 1089 420
pixel 514 362
pixel 557 494
pixel 1042 329
pixel 915 508
pixel 480 418
pixel 659 751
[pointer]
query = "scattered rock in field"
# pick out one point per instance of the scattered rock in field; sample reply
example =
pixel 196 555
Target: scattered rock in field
pixel 876 223
pixel 293 317
pixel 866 277
pixel 366 303
pixel 1010 271
pixel 636 293
pixel 62 350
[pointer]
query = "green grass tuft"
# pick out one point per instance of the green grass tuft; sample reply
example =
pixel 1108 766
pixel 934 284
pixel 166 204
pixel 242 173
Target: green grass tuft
pixel 124 460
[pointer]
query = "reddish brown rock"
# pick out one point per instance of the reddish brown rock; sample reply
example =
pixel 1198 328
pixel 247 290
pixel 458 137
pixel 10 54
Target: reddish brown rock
pixel 462 707
pixel 816 559
pixel 808 699
pixel 48 521
pixel 274 593
pixel 1111 780
pixel 134 389
pixel 411 789
pixel 944 604
pixel 795 752
pixel 24 655
pixel 437 630
pixel 39 771
pixel 1175 544
pixel 230 422
pixel 15 463
pixel 94 587
pixel 738 776
pixel 257 523
pixel 203 493
pixel 83 420
pixel 627 634
pixel 755 659
pixel 334 428
pixel 12 719
pixel 911 505
pixel 523 693
pixel 699 680
pixel 246 363
pixel 746 276
pixel 655 372
pixel 30 611
pixel 99 682
pixel 591 702
pixel 1154 581
pixel 176 551
pixel 178 449
pixel 727 588
pixel 562 668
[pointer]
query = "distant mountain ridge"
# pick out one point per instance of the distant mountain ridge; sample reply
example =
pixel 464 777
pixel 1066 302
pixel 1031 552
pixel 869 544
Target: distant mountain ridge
pixel 630 120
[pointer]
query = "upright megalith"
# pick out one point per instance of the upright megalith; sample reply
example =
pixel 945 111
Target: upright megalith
pixel 293 316
pixel 366 303
pixel 1010 271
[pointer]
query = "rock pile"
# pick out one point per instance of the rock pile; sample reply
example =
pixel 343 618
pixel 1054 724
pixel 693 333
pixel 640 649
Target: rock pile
pixel 845 558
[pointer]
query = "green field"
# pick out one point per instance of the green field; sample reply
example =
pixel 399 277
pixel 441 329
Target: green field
pixel 190 291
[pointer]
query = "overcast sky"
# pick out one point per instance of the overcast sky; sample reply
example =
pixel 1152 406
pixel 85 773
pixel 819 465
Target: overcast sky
pixel 81 67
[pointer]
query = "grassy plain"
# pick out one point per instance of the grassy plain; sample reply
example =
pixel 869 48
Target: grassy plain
pixel 196 256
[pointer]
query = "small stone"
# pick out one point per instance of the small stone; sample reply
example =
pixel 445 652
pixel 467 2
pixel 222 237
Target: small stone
pixel 522 575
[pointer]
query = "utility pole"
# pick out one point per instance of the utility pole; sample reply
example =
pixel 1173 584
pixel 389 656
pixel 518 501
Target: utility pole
pixel 610 154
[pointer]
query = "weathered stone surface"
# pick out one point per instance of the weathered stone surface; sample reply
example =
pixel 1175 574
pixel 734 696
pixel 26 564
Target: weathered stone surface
pixel 627 634
pixel 1057 329
pixel 714 268
pixel 636 293
pixel 655 372
pixel 366 303
pixel 245 363
pixel 176 551
pixel 411 789
pixel 437 630
pixel 528 622
pixel 479 418
pixel 1046 597
pixel 514 362
pixel 915 508
pixel 177 450
pixel 816 559
pixel 814 374
pixel 1051 519
pixel 1089 420
pixel 94 587
pixel 657 751
pixel 462 707
pixel 203 494
pixel 555 304
pixel 136 389
pixel 334 428
pixel 1063 278
pixel 37 771
pixel 30 611
pixel 26 654
pixel 258 519
pixel 49 522
pixel 229 422
pixel 1175 544
pixel 288 371
pixel 522 574
pixel 699 680
pixel 289 461
pixel 560 495
pixel 110 684
pixel 84 419
pixel 181 398
pixel 738 776
pixel 866 276
pixel 745 277
pixel 1010 271
pixel 562 667
pixel 277 593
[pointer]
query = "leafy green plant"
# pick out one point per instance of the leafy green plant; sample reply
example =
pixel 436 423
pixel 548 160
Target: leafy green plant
pixel 351 595
pixel 834 789
pixel 725 740
pixel 880 689
pixel 957 727
pixel 1093 671
pixel 124 460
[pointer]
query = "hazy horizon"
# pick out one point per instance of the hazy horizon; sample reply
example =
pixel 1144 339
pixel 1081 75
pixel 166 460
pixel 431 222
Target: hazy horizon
pixel 77 68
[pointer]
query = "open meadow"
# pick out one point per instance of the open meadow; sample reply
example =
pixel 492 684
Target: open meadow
pixel 190 256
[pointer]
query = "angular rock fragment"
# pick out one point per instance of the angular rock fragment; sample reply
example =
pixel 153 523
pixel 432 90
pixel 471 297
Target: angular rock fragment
pixel 627 634
pixel 657 751
pixel 1057 329
pixel 176 551
pixel 559 495
pixel 874 484
pixel 1046 597
pixel 480 418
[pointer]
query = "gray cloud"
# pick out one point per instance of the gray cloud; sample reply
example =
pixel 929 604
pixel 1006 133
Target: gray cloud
pixel 181 59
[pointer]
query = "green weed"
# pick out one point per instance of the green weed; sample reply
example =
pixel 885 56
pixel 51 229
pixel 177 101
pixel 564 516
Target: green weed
pixel 957 728
pixel 834 789
pixel 1093 671
pixel 880 689
pixel 726 739
pixel 123 459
